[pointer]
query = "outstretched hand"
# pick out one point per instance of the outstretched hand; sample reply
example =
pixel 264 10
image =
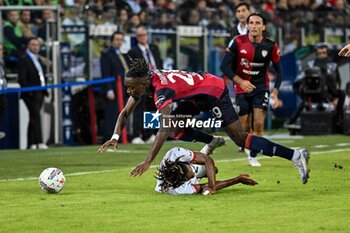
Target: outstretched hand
pixel 107 144
pixel 208 191
pixel 247 180
pixel 345 51
pixel 140 169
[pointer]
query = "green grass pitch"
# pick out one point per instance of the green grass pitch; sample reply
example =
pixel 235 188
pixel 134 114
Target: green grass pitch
pixel 100 196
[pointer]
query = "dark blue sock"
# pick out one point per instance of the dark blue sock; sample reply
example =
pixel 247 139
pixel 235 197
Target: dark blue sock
pixel 263 146
pixel 194 135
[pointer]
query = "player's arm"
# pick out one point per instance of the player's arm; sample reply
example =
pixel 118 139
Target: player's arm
pixel 241 179
pixel 279 74
pixel 275 58
pixel 200 158
pixel 121 122
pixel 227 62
pixel 161 137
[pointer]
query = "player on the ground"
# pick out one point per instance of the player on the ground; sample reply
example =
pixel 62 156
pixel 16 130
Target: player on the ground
pixel 205 92
pixel 181 170
pixel 246 62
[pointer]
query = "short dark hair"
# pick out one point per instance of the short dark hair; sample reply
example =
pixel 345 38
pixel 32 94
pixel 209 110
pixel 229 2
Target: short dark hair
pixel 242 4
pixel 30 39
pixel 116 33
pixel 139 68
pixel 259 15
pixel 322 46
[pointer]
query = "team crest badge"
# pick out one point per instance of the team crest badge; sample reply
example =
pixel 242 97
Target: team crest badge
pixel 264 53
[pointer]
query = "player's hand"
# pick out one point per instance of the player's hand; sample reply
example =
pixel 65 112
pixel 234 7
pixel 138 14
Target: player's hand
pixel 246 85
pixel 140 169
pixel 208 191
pixel 247 180
pixel 107 144
pixel 275 102
pixel 345 52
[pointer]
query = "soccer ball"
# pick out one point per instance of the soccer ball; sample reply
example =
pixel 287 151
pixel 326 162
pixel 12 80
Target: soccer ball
pixel 52 180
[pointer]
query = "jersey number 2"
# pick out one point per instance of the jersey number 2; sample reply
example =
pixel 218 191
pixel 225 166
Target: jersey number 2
pixel 188 78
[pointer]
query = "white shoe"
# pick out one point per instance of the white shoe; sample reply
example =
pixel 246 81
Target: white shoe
pixel 216 142
pixel 137 140
pixel 253 161
pixel 303 165
pixel 151 139
pixel 42 146
pixel 33 147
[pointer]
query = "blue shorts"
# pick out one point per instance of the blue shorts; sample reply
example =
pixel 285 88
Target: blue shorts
pixel 223 109
pixel 256 99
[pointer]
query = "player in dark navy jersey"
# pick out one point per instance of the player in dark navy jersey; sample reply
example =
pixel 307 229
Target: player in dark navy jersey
pixel 204 92
pixel 246 62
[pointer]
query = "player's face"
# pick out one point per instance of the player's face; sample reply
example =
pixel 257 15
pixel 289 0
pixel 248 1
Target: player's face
pixel 136 87
pixel 256 26
pixel 242 14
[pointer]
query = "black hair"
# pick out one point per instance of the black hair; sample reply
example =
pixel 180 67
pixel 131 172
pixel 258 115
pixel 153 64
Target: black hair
pixel 30 39
pixel 116 33
pixel 322 46
pixel 172 174
pixel 259 15
pixel 138 69
pixel 242 4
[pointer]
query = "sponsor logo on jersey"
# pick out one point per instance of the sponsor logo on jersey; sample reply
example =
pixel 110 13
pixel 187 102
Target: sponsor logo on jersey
pixel 245 62
pixel 251 72
pixel 255 64
pixel 243 51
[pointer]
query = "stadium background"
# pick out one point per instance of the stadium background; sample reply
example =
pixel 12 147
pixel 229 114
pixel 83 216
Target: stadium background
pixel 192 35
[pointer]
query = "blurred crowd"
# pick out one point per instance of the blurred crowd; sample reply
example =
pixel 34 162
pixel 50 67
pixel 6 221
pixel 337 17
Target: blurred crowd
pixel 290 15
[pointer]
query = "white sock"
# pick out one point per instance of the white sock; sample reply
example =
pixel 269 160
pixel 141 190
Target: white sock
pixel 247 152
pixel 296 155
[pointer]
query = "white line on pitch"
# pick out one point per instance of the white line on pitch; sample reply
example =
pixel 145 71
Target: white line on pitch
pixel 154 166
